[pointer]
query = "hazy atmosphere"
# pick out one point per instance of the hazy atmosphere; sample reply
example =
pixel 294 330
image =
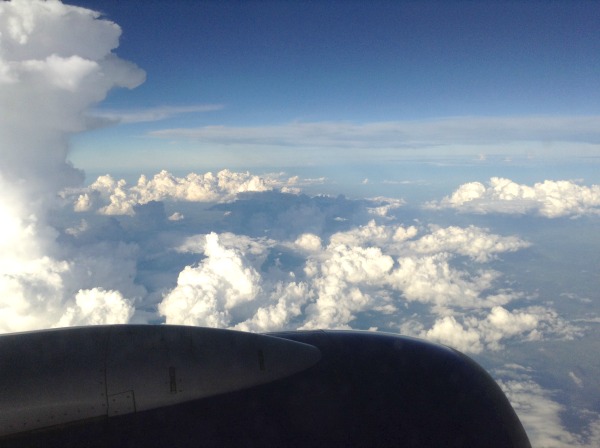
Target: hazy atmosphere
pixel 424 168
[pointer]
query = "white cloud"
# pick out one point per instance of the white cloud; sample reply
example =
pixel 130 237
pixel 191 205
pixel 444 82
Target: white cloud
pixel 475 334
pixel 551 199
pixel 329 310
pixel 63 73
pixel 385 206
pixel 56 62
pixel 36 294
pixel 83 203
pixel 400 134
pixel 112 197
pixel 431 280
pixel 97 307
pixel 31 293
pixel 371 233
pixel 354 264
pixel 153 113
pixel 540 414
pixel 372 267
pixel 285 304
pixel 472 241
pixel 257 248
pixel 448 331
pixel 205 295
pixel 308 242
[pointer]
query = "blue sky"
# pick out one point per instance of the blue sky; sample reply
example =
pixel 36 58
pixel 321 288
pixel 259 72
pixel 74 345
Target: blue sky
pixel 272 64
pixel 276 61
pixel 423 168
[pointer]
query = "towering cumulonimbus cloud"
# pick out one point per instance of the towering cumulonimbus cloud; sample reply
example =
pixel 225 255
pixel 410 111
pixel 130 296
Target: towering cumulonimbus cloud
pixel 56 61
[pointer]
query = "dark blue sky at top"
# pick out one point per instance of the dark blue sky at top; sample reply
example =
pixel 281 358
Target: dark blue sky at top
pixel 269 62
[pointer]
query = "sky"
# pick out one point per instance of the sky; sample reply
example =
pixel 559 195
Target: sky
pixel 422 168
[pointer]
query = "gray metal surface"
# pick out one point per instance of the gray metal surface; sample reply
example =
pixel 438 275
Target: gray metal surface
pixel 60 376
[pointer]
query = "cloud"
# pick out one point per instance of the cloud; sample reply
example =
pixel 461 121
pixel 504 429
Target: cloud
pixel 56 62
pixel 378 270
pixel 540 414
pixel 206 295
pixel 431 280
pixel 370 268
pixel 97 307
pixel 114 197
pixel 63 55
pixel 472 241
pixel 154 113
pixel 448 331
pixel 385 206
pixel 308 242
pixel 550 199
pixel 286 304
pixel 342 282
pixel 37 293
pixel 491 332
pixel 474 131
pixel 372 233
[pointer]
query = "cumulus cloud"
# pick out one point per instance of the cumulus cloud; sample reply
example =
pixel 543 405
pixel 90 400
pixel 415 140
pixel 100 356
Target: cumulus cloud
pixel 286 303
pixel 97 307
pixel 36 294
pixel 343 282
pixel 472 241
pixel 372 234
pixel 381 270
pixel 431 280
pixel 56 61
pixel 31 293
pixel 550 199
pixel 308 242
pixel 257 248
pixel 206 294
pixel 370 268
pixel 500 325
pixel 115 197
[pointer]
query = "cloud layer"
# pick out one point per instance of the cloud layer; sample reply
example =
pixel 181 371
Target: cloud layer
pixel 379 269
pixel 111 197
pixel 550 199
pixel 445 131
